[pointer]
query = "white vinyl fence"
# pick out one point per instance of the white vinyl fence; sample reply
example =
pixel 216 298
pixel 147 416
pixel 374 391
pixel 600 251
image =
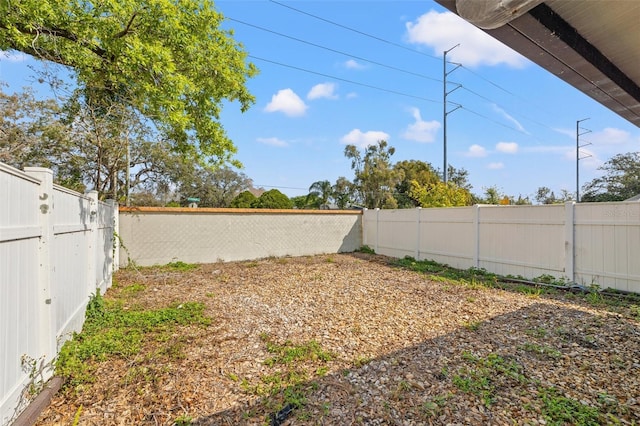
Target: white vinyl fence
pixel 56 250
pixel 588 243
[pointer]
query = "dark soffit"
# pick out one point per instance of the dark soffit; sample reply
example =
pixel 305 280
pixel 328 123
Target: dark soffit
pixel 547 38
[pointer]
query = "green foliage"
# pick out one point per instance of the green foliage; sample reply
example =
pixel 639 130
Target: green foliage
pixel 321 192
pixel 486 375
pixel 183 420
pixel 110 330
pixel 375 178
pixel 439 194
pixel 559 410
pixel 621 179
pixel 302 202
pixel 288 384
pixel 290 352
pixel 216 187
pixel 421 185
pixel 180 266
pixel 244 200
pixel 343 192
pixel 167 60
pixel 272 199
pixel 541 350
pixel 366 249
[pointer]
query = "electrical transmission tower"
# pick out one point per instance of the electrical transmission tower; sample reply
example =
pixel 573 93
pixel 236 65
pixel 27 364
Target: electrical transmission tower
pixel 445 93
pixel 579 132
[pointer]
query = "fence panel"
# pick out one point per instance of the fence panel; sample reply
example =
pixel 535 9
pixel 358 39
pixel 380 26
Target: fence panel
pixel 447 236
pixel 607 239
pixel 522 240
pixel 72 235
pixel 591 243
pixel 49 246
pixel 19 287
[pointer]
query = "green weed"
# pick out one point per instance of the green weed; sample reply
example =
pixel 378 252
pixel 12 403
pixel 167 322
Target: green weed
pixel 183 420
pixel 366 249
pixel 110 330
pixel 290 352
pixel 134 289
pixel 560 410
pixel 361 360
pixel 542 350
pixel 432 407
pixel 472 325
pixel 486 375
pixel 180 266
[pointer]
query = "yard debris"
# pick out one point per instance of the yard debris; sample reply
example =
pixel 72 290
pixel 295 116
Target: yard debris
pixel 404 349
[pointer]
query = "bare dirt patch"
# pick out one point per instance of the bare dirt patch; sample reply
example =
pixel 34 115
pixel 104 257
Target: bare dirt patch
pixel 350 339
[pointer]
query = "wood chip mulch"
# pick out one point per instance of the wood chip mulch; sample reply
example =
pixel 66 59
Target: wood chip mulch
pixel 405 350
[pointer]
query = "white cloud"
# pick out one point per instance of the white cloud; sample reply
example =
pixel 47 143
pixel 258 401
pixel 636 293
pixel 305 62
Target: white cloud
pixel 364 139
pixel 507 147
pixel 352 64
pixel 609 136
pixel 352 95
pixel 442 31
pixel 12 56
pixel 566 132
pixel 322 90
pixel 420 130
pixel 495 166
pixel 503 113
pixel 476 151
pixel 288 102
pixel 273 142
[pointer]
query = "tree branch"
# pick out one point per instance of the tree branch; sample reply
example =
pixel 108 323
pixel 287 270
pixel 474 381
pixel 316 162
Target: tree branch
pixel 56 33
pixel 128 27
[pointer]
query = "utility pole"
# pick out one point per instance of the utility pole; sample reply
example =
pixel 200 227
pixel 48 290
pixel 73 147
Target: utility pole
pixel 445 93
pixel 579 132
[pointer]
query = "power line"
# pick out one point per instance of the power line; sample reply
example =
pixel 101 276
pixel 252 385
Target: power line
pixel 498 105
pixel 494 84
pixel 370 86
pixel 355 31
pixel 335 51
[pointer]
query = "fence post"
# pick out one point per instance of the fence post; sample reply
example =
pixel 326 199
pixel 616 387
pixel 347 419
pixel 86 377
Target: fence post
pixel 569 240
pixel 419 210
pixel 377 229
pixel 476 235
pixel 115 234
pixel 93 243
pixel 45 305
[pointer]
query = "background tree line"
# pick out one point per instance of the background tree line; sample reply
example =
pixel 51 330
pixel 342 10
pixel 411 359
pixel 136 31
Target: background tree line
pixel 140 116
pixel 88 150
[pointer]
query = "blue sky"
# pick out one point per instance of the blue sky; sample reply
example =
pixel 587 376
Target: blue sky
pixel 353 72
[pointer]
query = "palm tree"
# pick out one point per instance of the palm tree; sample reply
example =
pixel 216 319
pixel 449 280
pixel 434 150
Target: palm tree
pixel 321 189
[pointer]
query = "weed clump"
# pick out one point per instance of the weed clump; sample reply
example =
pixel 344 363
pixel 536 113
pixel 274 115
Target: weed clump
pixel 110 330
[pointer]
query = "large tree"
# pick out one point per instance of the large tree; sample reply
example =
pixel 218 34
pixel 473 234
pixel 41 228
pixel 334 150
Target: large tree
pixel 320 193
pixel 215 187
pixel 85 148
pixel 167 60
pixel 343 192
pixel 375 178
pixel 272 199
pixel 620 181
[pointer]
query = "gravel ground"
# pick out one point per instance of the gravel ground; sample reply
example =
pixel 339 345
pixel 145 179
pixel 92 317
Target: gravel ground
pixel 370 344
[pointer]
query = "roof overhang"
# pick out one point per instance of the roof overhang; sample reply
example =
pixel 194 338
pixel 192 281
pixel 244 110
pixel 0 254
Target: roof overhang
pixel 592 45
